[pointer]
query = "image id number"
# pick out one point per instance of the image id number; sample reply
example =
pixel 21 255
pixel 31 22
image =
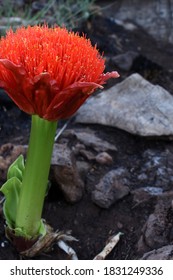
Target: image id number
pixel 133 270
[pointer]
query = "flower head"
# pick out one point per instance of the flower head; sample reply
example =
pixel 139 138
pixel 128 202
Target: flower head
pixel 50 72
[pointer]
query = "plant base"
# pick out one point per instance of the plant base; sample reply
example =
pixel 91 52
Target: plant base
pixel 19 242
pixel 32 248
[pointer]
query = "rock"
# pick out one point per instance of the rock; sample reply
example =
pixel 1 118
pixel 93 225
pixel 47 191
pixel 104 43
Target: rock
pixel 134 105
pixel 153 190
pixel 127 25
pixel 87 154
pixel 89 139
pixel 83 168
pixel 161 165
pixel 104 158
pixel 111 188
pixel 64 172
pixel 78 147
pixel 144 194
pixel 157 230
pixel 155 235
pixel 141 196
pixel 164 253
pixel 124 61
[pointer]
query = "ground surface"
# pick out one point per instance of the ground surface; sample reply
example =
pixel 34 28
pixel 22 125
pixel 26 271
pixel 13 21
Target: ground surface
pixel 90 224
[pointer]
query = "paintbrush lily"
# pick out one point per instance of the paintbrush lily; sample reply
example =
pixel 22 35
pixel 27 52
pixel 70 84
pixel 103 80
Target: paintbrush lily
pixel 48 73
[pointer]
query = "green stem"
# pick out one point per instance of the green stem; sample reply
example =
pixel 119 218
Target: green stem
pixel 35 179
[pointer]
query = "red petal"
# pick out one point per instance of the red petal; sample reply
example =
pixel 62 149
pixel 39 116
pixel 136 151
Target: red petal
pixel 11 79
pixel 106 76
pixel 19 70
pixel 40 91
pixel 68 101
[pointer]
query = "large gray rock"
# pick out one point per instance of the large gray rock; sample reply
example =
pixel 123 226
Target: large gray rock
pixel 134 105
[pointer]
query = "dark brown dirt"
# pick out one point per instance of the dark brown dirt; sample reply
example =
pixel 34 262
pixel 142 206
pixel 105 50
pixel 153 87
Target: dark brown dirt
pixel 90 224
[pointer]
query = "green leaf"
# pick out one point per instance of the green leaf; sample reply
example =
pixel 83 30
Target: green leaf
pixel 11 190
pixel 42 229
pixel 41 232
pixel 16 169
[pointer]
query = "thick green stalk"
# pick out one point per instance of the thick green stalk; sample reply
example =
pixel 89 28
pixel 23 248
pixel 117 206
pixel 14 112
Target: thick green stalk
pixel 35 179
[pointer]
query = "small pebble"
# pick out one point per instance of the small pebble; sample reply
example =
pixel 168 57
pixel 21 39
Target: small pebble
pixel 104 158
pixel 4 244
pixel 153 190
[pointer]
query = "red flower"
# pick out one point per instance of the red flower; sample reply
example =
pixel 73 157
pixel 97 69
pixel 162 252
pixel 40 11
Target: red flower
pixel 50 71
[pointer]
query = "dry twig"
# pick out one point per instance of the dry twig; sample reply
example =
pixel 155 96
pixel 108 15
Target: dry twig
pixel 109 247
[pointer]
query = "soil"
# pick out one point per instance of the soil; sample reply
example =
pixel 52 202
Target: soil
pixel 90 224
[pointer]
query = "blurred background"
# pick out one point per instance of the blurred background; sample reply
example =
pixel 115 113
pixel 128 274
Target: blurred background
pixel 154 16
